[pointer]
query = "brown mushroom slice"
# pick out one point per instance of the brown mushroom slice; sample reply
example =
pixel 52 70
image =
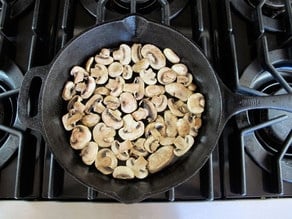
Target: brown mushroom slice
pixel 171 55
pixel 121 149
pixel 140 114
pixel 131 129
pixel 186 80
pixel 104 57
pixel 79 73
pixel 148 76
pixel 196 103
pixel 183 145
pixel 73 100
pixel 89 63
pixel 149 106
pixel 70 119
pixel 123 172
pixel 180 69
pixel 154 90
pixel 138 148
pixel 138 166
pixel 115 69
pixel 90 87
pixel 80 87
pixel 166 75
pixel 136 52
pixel 80 137
pixel 116 86
pixel 106 161
pixel 183 127
pixel 151 144
pixel 94 104
pixel 154 55
pixel 160 102
pixel 140 65
pixel 99 73
pixel 90 120
pixel 160 159
pixel 170 123
pixel 103 135
pixel 112 118
pixel 102 91
pixel 89 153
pixel 111 102
pixel 178 90
pixel 177 108
pixel 68 91
pixel 123 54
pixel 128 102
pixel 192 87
pixel 127 72
pixel 160 125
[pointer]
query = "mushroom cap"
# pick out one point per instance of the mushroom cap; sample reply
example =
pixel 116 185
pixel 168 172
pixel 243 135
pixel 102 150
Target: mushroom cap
pixel 89 153
pixel 123 172
pixel 178 90
pixel 103 135
pixel 80 137
pixel 115 69
pixel 151 144
pixel 186 80
pixel 166 75
pixel 102 91
pixel 90 120
pixel 140 114
pixel 160 159
pixel 148 76
pixel 121 149
pixel 89 63
pixel 196 103
pixel 68 91
pixel 128 102
pixel 112 118
pixel 132 129
pixel 136 88
pixel 123 54
pixel 154 55
pixel 138 148
pixel 140 65
pixel 180 69
pixel 72 101
pixel 106 161
pixel 104 57
pixel 171 55
pixel 177 108
pixel 183 127
pixel 100 73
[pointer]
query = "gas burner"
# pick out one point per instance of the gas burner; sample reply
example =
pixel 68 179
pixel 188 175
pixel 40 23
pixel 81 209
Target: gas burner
pixel 147 7
pixel 17 7
pixel 264 144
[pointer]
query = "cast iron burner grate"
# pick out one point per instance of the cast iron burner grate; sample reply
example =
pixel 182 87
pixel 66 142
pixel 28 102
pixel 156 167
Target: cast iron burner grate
pixel 16 7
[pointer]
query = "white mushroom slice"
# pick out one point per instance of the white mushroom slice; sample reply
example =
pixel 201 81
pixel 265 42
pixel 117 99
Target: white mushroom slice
pixel 154 90
pixel 115 69
pixel 148 76
pixel 183 127
pixel 116 86
pixel 170 123
pixel 196 103
pixel 138 166
pixel 102 91
pixel 104 57
pixel 138 148
pixel 123 54
pixel 128 102
pixel 186 80
pixel 166 140
pixel 180 69
pixel 154 55
pixel 160 159
pixel 171 55
pixel 112 118
pixel 71 103
pixel 127 72
pixel 183 145
pixel 111 102
pixel 70 119
pixel 121 149
pixel 103 135
pixel 152 111
pixel 178 90
pixel 90 120
pixel 94 104
pixel 99 73
pixel 140 65
pixel 79 73
pixel 136 88
pixel 106 161
pixel 78 107
pixel 123 172
pixel 80 87
pixel 80 137
pixel 89 63
pixel 192 87
pixel 136 52
pixel 166 75
pixel 154 129
pixel 178 108
pixel 140 114
pixel 160 102
pixel 90 87
pixel 132 129
pixel 151 144
pixel 68 91
pixel 89 153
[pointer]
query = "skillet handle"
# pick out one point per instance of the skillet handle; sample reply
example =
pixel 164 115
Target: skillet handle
pixel 30 94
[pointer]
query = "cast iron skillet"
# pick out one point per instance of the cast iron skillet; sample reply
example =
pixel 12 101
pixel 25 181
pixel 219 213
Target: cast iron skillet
pixel 221 104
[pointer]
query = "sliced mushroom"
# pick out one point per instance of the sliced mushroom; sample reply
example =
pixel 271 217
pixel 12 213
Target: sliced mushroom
pixel 178 108
pixel 104 57
pixel 154 90
pixel 140 65
pixel 80 137
pixel 171 55
pixel 90 120
pixel 151 144
pixel 183 127
pixel 138 148
pixel 149 106
pixel 166 140
pixel 68 91
pixel 102 91
pixel 178 90
pixel 103 135
pixel 89 63
pixel 166 75
pixel 160 159
pixel 140 114
pixel 127 72
pixel 154 55
pixel 80 87
pixel 196 103
pixel 70 119
pixel 183 145
pixel 132 129
pixel 72 101
pixel 115 69
pixel 112 118
pixel 138 166
pixel 148 76
pixel 128 102
pixel 136 88
pixel 106 161
pixel 192 87
pixel 89 153
pixel 90 87
pixel 111 102
pixel 116 86
pixel 186 80
pixel 99 73
pixel 123 54
pixel 180 69
pixel 123 172
pixel 94 104
pixel 160 102
pixel 136 52
pixel 121 149
pixel 170 123
pixel 79 73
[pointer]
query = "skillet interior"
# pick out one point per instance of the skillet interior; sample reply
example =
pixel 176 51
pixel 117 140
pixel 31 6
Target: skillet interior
pixel 129 30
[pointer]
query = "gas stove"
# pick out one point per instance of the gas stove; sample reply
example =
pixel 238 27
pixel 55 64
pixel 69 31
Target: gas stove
pixel 248 43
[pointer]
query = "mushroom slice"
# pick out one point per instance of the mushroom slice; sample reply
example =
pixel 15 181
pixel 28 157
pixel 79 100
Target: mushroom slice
pixel 180 69
pixel 132 129
pixel 166 75
pixel 140 114
pixel 170 123
pixel 70 119
pixel 138 166
pixel 166 140
pixel 178 90
pixel 128 102
pixel 112 118
pixel 136 88
pixel 111 102
pixel 154 90
pixel 183 127
pixel 140 65
pixel 90 87
pixel 100 73
pixel 90 120
pixel 136 52
pixel 72 102
pixel 192 87
pixel 89 153
pixel 94 104
pixel 152 129
pixel 177 108
pixel 186 80
pixel 127 72
pixel 89 63
pixel 183 145
pixel 79 73
pixel 116 86
pixel 121 149
pixel 160 159
pixel 196 103
pixel 123 172
pixel 68 91
pixel 149 106
pixel 160 102
pixel 154 55
pixel 104 57
pixel 123 54
pixel 115 69
pixel 102 91
pixel 80 137
pixel 171 55
pixel 148 76
pixel 151 144
pixel 106 161
pixel 138 148
pixel 103 135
